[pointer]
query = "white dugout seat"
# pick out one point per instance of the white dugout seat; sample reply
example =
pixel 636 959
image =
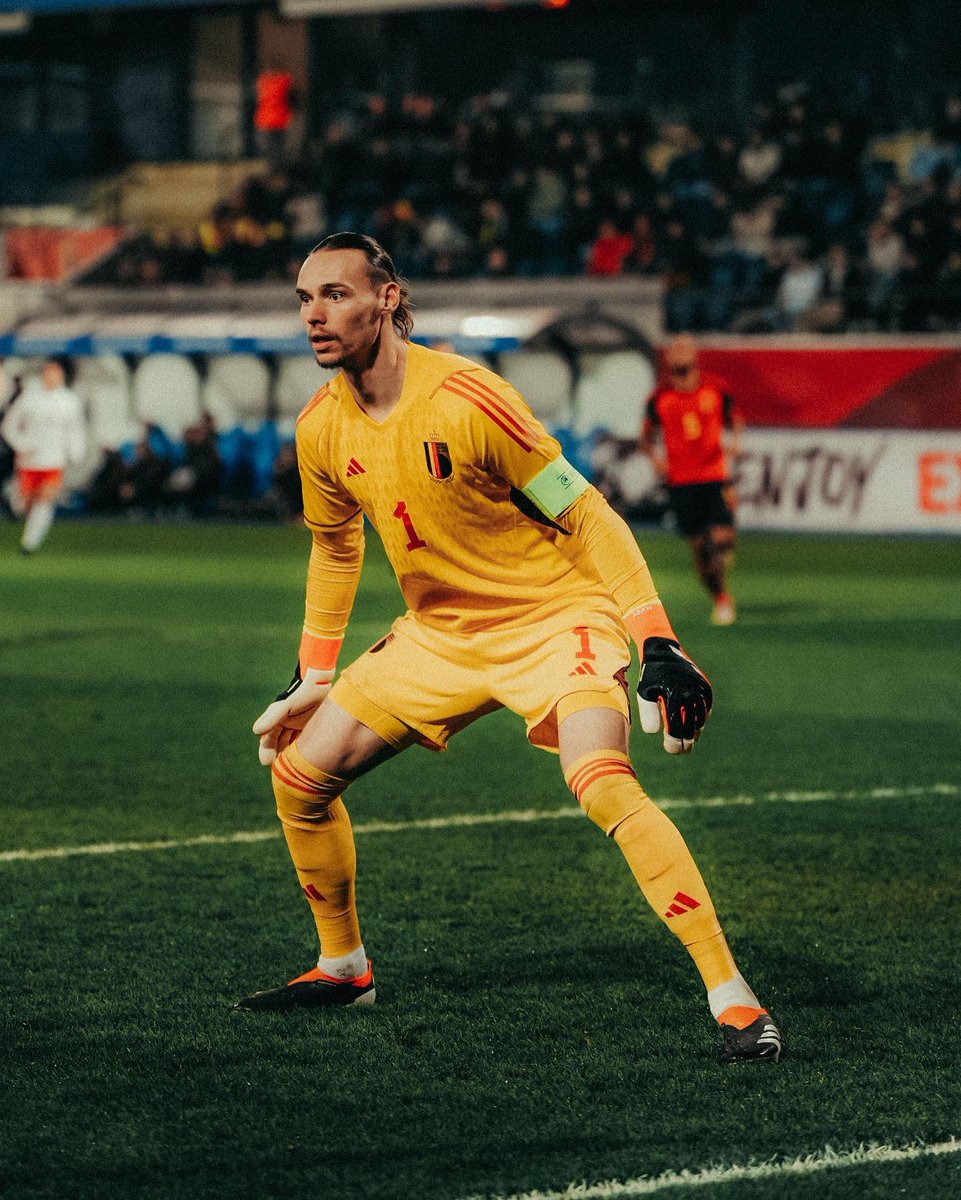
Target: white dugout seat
pixel 166 392
pixel 543 378
pixel 298 379
pixel 236 390
pixel 103 384
pixel 611 392
pixel 18 368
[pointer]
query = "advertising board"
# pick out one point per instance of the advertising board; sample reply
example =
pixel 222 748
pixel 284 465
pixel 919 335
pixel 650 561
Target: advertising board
pixel 851 481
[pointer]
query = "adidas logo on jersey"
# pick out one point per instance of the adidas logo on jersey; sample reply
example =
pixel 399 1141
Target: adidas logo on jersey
pixel 354 468
pixel 682 904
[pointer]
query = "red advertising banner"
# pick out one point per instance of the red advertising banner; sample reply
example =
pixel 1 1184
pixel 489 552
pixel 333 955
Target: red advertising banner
pixel 47 253
pixel 912 385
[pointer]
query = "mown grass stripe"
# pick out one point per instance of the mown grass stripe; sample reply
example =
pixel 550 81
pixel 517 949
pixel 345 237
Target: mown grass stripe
pixel 465 820
pixel 827 1159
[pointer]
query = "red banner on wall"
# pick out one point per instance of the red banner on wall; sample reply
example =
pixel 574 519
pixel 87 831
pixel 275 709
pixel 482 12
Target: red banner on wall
pixel 45 253
pixel 908 386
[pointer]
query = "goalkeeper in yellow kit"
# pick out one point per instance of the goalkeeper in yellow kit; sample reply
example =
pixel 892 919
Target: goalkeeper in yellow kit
pixel 523 588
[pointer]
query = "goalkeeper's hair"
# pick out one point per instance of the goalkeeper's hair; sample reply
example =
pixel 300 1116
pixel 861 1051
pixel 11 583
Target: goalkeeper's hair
pixel 380 267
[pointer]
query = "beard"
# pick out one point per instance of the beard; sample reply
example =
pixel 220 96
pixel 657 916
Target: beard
pixel 332 364
pixel 331 357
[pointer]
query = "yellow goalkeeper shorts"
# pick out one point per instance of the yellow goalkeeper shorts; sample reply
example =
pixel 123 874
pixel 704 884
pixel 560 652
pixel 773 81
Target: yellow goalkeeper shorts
pixel 420 684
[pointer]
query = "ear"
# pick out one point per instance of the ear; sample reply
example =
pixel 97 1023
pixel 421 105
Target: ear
pixel 391 298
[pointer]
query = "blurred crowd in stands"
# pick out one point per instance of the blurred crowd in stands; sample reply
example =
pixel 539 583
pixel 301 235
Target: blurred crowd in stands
pixel 232 474
pixel 807 220
pixel 246 473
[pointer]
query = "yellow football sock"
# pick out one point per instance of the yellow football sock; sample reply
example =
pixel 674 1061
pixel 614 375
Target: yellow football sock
pixel 607 789
pixel 321 843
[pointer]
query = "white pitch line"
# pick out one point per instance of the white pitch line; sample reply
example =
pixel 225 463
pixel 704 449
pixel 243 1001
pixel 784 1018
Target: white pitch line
pixel 827 1159
pixel 466 820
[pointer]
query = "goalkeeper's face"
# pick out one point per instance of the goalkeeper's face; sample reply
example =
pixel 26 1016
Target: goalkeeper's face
pixel 344 310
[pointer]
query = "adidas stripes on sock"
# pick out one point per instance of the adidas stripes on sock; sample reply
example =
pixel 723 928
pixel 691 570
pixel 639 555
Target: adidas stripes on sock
pixel 321 843
pixel 607 789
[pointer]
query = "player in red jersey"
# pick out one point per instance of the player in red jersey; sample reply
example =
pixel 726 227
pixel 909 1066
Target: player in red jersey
pixel 691 428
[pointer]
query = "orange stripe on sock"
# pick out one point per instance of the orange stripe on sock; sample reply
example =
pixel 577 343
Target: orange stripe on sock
pixel 610 765
pixel 284 772
pixel 293 770
pixel 600 774
pixel 309 781
pixel 597 762
pixel 583 784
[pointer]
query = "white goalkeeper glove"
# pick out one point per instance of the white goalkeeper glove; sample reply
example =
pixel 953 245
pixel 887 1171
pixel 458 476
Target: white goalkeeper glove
pixel 280 723
pixel 674 691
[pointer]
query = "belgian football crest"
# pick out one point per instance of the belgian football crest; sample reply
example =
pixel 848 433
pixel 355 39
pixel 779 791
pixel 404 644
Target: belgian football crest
pixel 438 459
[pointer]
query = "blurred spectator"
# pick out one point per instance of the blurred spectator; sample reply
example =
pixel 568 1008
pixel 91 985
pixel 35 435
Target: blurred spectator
pixel 546 218
pixel 759 161
pixel 142 486
pixel 947 125
pixel 685 273
pixel 196 482
pixel 492 228
pixel 494 191
pixel 885 262
pixel 798 290
pixel 284 500
pixel 306 218
pixel 946 305
pixel 721 158
pixel 497 264
pixel 582 227
pixel 443 240
pixel 274 113
pixel 643 257
pixel 840 294
pixel 11 386
pixel 104 493
pixel 609 250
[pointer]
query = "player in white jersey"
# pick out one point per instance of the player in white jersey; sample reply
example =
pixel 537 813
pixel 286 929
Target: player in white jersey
pixel 47 431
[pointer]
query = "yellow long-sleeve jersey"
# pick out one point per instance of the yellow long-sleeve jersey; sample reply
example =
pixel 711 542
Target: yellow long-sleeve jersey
pixel 482 520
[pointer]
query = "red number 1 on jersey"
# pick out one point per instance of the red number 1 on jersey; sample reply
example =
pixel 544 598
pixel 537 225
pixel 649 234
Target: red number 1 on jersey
pixel 414 542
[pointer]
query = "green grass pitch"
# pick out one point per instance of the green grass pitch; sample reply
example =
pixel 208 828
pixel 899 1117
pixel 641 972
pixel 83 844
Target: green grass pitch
pixel 536 1025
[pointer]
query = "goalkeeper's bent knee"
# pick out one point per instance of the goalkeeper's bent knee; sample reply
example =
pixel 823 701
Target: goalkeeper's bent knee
pixel 304 793
pixel 606 788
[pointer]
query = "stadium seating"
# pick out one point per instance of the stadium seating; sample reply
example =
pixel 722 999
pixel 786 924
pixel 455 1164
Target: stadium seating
pixel 611 391
pixel 298 378
pixel 103 383
pixel 544 379
pixel 236 389
pixel 166 392
pixel 20 368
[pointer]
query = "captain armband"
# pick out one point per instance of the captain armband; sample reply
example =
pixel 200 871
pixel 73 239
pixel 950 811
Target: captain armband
pixel 556 488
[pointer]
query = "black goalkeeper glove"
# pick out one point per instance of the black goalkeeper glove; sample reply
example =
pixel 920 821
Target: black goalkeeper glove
pixel 673 689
